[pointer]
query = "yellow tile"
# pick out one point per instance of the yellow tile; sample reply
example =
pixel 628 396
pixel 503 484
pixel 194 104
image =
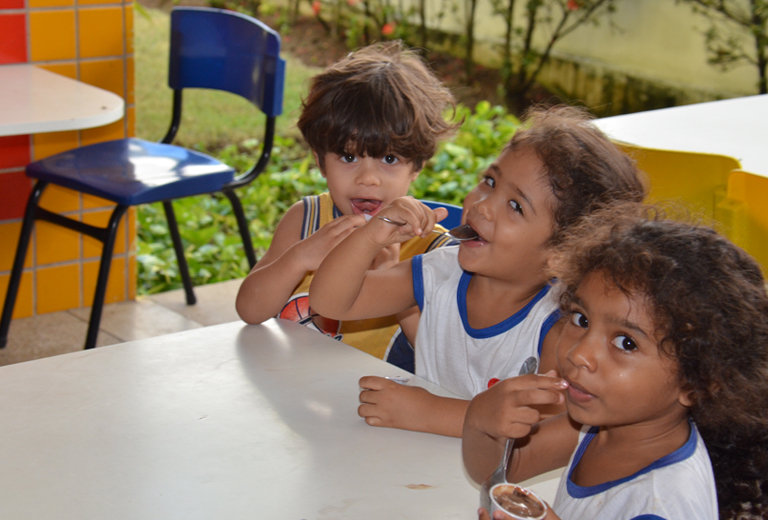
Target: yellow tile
pixel 130 81
pixel 24 307
pixel 55 244
pixel 131 220
pixel 51 3
pixel 129 36
pixel 9 237
pixel 106 74
pixel 64 69
pixel 58 199
pixel 115 282
pixel 93 202
pixel 51 143
pixel 92 247
pixel 53 35
pixel 108 132
pixel 130 114
pixel 132 276
pixel 58 288
pixel 101 32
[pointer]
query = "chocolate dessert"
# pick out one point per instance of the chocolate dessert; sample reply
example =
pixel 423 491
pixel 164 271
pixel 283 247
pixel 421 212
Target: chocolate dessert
pixel 518 501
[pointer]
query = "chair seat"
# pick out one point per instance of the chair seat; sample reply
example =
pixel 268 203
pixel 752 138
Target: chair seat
pixel 134 171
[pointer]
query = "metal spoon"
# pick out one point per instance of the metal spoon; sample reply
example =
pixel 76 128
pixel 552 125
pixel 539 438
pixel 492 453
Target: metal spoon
pixel 459 233
pixel 500 475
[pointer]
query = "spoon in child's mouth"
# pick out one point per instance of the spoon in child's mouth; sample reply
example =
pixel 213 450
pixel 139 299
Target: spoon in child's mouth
pixel 460 233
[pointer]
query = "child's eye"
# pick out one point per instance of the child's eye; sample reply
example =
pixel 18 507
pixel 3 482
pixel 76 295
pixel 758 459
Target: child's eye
pixel 348 158
pixel 516 206
pixel 624 343
pixel 579 320
pixel 490 181
pixel 390 159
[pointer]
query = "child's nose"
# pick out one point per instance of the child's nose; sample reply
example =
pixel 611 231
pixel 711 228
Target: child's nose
pixel 582 352
pixel 367 174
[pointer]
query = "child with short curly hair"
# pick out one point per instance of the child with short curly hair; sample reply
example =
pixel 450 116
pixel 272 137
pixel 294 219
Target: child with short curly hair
pixel 663 368
pixel 487 304
pixel 371 120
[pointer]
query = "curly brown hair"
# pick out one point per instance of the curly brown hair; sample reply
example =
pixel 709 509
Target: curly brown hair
pixel 381 99
pixel 709 303
pixel 585 169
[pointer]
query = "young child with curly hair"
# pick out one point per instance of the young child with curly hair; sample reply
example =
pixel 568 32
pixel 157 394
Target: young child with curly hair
pixel 487 304
pixel 372 120
pixel 663 368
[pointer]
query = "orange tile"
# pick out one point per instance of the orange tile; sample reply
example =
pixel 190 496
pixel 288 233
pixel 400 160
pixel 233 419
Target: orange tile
pixel 15 188
pixel 14 151
pixel 53 35
pixel 62 200
pixel 11 4
pixel 106 74
pixel 91 246
pixel 115 282
pixel 51 143
pixel 24 306
pixel 130 115
pixel 101 32
pixel 55 244
pixel 58 288
pixel 65 69
pixel 9 237
pixel 93 202
pixel 13 37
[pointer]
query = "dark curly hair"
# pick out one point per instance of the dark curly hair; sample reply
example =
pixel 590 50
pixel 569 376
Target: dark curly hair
pixel 709 303
pixel 585 169
pixel 379 100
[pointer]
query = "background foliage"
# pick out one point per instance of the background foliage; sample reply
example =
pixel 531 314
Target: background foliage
pixel 209 230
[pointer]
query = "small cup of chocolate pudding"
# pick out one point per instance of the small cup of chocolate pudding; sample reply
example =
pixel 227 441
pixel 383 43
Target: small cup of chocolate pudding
pixel 517 502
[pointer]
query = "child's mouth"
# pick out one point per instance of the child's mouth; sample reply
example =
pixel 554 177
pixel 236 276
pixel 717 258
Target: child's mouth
pixel 365 206
pixel 578 394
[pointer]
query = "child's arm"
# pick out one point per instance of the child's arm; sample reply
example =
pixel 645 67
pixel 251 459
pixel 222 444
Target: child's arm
pixel 345 288
pixel 389 404
pixel 273 279
pixel 506 410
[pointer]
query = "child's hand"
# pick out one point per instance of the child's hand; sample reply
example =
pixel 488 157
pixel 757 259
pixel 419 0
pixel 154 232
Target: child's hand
pixel 314 248
pixel 506 409
pixel 418 219
pixel 389 404
pixel 482 514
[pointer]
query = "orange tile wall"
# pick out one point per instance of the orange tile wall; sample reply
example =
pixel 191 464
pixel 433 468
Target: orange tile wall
pixel 92 41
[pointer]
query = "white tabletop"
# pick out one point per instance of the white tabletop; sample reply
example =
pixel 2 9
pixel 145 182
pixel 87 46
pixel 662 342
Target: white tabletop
pixel 225 422
pixel 34 100
pixel 734 127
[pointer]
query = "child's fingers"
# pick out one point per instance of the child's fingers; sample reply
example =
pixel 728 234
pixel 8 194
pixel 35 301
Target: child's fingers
pixel 440 214
pixel 374 382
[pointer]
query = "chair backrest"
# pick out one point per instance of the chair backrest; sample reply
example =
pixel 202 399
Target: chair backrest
pixel 454 213
pixel 225 50
pixel 744 214
pixel 697 180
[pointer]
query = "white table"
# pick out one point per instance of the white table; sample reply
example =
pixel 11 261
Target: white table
pixel 34 100
pixel 734 127
pixel 225 422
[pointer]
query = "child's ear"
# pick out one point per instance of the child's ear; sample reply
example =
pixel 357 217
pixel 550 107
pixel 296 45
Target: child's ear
pixel 685 397
pixel 320 166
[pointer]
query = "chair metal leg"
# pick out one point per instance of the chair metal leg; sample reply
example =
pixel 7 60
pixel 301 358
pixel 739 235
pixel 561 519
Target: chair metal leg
pixel 18 262
pixel 110 233
pixel 173 226
pixel 242 224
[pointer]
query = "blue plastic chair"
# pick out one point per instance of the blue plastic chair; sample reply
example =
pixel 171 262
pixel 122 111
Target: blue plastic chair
pixel 209 48
pixel 454 213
